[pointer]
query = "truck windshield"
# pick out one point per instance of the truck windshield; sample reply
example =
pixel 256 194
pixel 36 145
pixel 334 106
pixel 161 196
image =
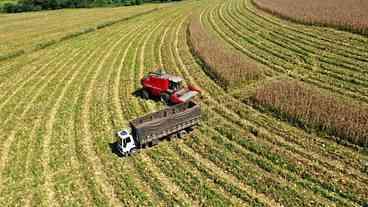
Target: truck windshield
pixel 126 141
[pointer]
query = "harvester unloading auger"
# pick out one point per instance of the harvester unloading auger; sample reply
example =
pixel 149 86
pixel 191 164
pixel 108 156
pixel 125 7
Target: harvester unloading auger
pixel 173 121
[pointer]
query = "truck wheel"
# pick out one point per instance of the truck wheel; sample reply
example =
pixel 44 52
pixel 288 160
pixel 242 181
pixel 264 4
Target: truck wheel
pixel 132 151
pixel 165 98
pixel 145 94
pixel 181 134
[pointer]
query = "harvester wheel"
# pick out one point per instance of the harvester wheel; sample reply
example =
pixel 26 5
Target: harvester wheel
pixel 165 98
pixel 145 94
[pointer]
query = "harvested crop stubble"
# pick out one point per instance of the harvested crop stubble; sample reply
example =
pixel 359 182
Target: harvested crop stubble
pixel 308 106
pixel 226 66
pixel 350 15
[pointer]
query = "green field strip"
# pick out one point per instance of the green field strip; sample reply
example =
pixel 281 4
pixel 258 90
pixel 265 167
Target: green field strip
pixel 262 59
pixel 57 35
pixel 170 41
pixel 283 42
pixel 263 182
pixel 16 107
pixel 303 184
pixel 216 89
pixel 269 64
pixel 210 181
pixel 344 46
pixel 298 45
pixel 29 105
pixel 128 180
pixel 222 179
pixel 181 66
pixel 150 176
pixel 281 70
pixel 74 161
pixel 348 81
pixel 194 186
pixel 13 67
pixel 256 148
pixel 282 165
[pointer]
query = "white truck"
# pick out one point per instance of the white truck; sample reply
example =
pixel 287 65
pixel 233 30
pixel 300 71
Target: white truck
pixel 148 130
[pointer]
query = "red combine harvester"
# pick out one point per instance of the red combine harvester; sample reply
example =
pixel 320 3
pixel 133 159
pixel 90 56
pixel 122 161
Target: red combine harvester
pixel 168 88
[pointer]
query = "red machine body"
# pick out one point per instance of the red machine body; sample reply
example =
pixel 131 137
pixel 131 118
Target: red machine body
pixel 167 87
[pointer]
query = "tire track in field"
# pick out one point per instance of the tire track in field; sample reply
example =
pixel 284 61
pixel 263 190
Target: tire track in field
pixel 172 187
pixel 49 129
pixel 168 185
pixel 139 184
pixel 9 140
pixel 210 182
pixel 27 166
pixel 268 201
pixel 165 180
pixel 141 62
pixel 218 172
pixel 75 160
pixel 175 41
pixel 92 158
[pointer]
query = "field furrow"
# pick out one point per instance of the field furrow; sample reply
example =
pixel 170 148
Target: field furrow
pixel 62 105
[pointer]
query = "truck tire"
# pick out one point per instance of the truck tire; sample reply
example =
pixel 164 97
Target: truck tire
pixel 165 98
pixel 181 134
pixel 132 151
pixel 145 94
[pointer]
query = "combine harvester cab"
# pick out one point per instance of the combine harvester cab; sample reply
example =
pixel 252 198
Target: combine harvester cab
pixel 168 88
pixel 148 130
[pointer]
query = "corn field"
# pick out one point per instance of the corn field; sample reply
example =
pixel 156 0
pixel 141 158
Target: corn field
pixel 348 15
pixel 61 106
pixel 307 106
pixel 228 67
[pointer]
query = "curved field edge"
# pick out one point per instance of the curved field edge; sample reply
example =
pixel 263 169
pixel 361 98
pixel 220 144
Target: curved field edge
pixel 313 19
pixel 222 162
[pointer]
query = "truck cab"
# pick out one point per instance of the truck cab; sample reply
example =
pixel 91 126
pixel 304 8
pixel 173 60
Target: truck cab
pixel 126 144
